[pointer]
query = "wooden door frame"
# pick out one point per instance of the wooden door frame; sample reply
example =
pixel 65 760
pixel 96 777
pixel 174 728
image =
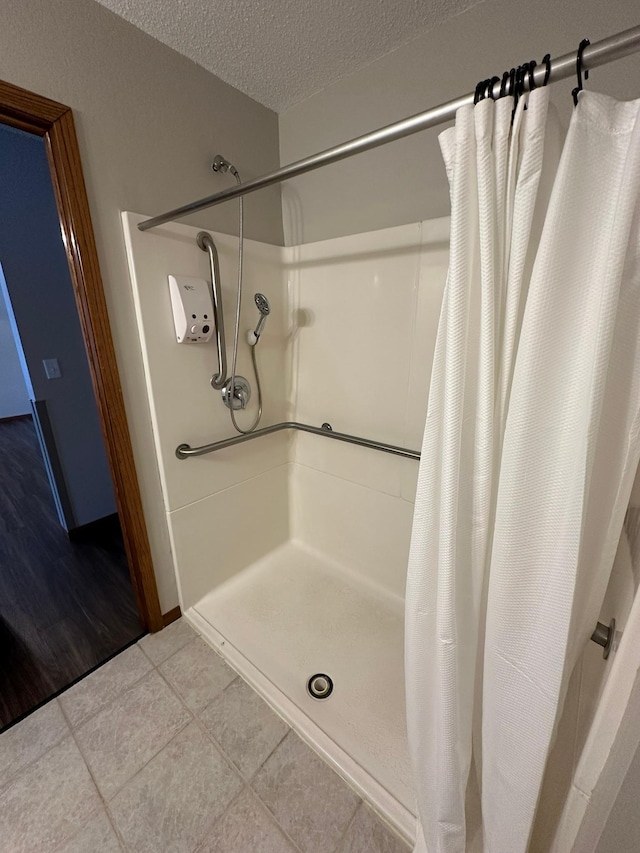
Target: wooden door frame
pixel 33 113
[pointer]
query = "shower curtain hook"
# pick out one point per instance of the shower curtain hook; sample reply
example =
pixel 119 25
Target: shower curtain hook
pixel 527 69
pixel 547 62
pixel 503 85
pixel 584 43
pixel 481 91
pixel 512 82
pixel 490 84
pixel 518 88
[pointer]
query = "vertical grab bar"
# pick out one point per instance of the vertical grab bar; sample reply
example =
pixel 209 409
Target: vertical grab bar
pixel 205 242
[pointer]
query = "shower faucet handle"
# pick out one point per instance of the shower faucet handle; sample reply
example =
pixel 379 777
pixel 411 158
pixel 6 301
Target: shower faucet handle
pixel 241 394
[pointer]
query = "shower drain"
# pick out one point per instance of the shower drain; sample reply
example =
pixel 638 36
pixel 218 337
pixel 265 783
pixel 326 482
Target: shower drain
pixel 319 686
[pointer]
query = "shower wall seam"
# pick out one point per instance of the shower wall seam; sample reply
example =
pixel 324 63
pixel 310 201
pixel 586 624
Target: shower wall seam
pixel 377 489
pixel 230 487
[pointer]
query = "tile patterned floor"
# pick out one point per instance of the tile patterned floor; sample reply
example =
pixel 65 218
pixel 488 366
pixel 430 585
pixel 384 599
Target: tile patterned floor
pixel 165 748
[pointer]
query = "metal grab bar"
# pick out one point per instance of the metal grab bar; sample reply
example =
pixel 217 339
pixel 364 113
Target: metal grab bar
pixel 604 635
pixel 184 451
pixel 205 242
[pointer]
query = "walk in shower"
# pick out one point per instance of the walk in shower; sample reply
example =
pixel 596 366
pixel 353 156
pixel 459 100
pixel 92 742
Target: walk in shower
pixel 291 548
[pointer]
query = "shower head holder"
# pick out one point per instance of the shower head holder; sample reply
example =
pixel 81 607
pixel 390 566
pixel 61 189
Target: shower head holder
pixel 262 304
pixel 221 164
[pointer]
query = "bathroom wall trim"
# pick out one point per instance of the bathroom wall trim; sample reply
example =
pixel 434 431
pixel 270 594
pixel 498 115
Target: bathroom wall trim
pixel 171 615
pixel 54 122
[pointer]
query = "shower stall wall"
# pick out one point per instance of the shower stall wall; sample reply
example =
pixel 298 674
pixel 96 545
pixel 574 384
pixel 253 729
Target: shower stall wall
pixel 290 551
pixel 226 513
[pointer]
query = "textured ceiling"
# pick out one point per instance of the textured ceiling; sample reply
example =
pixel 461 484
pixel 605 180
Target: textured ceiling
pixel 282 51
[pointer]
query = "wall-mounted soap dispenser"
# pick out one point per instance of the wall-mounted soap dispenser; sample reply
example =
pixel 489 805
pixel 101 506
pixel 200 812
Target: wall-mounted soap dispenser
pixel 192 309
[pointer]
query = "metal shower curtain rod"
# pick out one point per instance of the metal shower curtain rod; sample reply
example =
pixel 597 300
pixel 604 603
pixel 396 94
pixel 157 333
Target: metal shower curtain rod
pixel 602 52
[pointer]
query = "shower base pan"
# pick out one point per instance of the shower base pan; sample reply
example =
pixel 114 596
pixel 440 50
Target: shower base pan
pixel 295 613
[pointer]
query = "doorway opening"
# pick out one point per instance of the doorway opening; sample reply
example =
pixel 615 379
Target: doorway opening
pixel 76 577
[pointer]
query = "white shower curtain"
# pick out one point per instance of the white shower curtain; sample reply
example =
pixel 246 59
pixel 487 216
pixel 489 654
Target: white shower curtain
pixel 530 447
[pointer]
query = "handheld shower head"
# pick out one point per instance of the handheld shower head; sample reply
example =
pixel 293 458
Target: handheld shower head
pixel 262 304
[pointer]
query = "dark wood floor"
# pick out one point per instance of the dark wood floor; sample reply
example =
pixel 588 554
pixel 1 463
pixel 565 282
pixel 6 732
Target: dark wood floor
pixel 66 604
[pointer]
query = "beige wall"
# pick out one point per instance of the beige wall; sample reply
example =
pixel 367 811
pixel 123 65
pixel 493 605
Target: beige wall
pixel 405 182
pixel 149 122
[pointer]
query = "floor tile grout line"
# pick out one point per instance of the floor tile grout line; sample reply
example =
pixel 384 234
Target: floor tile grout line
pixel 250 780
pixel 114 826
pixel 175 734
pixel 246 782
pixel 341 780
pixel 86 763
pixel 194 718
pixel 166 746
pixel 247 779
pixel 105 803
pixel 111 701
pixel 175 689
pixel 263 807
pixel 119 836
pixel 108 803
pixel 91 817
pixel 219 749
pixel 155 754
pixel 171 686
pixel 348 827
pixel 68 736
pixel 156 664
pixel 72 728
pixel 102 799
pixel 218 819
pixel 272 816
pixel 4 787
